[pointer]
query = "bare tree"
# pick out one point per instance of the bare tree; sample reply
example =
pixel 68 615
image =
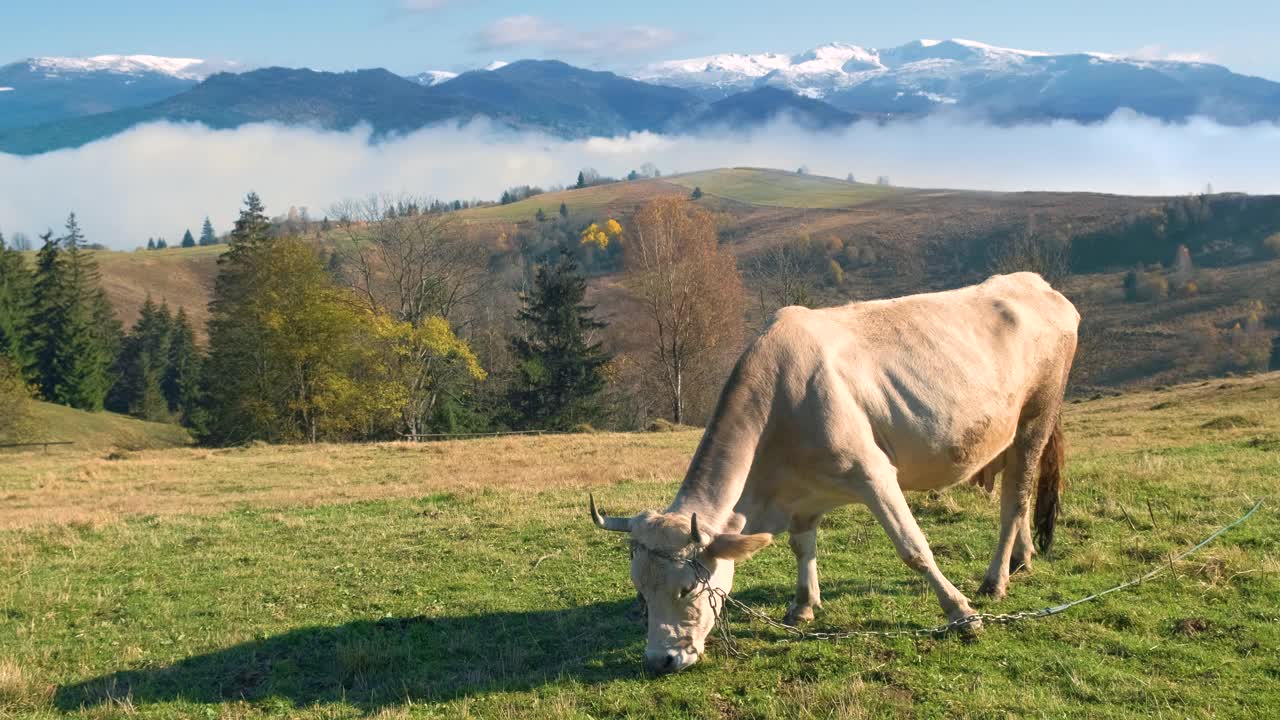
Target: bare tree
pixel 691 293
pixel 1031 248
pixel 780 278
pixel 414 265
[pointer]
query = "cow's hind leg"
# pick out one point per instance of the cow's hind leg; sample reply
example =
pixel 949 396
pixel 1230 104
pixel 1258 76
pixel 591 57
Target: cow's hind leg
pixel 1013 545
pixel 1023 547
pixel 804 543
pixel 882 495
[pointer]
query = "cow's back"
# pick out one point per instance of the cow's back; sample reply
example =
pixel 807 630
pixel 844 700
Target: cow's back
pixel 940 378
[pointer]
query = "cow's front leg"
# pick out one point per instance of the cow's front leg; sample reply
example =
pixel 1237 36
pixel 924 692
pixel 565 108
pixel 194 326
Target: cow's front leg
pixel 804 543
pixel 882 495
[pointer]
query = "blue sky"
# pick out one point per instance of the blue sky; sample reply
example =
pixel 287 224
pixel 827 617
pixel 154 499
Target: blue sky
pixel 408 36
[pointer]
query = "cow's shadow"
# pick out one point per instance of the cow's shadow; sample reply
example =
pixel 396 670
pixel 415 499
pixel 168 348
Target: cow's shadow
pixel 375 663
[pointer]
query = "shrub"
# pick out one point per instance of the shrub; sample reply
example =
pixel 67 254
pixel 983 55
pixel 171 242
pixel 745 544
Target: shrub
pixel 15 402
pixel 1145 286
pixel 1272 245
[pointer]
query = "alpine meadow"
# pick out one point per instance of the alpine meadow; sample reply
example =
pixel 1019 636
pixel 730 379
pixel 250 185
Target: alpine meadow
pixel 648 371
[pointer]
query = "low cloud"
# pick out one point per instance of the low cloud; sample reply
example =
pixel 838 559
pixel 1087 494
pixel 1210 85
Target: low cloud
pixel 159 180
pixel 533 32
pixel 1159 52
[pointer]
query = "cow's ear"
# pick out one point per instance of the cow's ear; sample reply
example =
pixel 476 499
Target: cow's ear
pixel 732 546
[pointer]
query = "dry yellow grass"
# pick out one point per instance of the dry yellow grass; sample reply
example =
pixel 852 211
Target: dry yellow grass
pixel 91 489
pixel 38 489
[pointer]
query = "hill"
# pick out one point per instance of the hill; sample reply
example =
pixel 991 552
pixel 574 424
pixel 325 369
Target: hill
pixel 889 241
pixel 97 432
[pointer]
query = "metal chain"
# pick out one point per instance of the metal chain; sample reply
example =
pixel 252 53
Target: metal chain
pixel 721 601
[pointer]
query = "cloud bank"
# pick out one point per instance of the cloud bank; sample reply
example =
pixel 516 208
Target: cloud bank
pixel 159 180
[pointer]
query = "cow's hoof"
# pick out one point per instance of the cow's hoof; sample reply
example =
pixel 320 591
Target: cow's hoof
pixel 798 614
pixel 994 590
pixel 969 630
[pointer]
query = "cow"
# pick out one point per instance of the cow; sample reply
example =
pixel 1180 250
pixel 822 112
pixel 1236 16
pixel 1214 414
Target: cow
pixel 857 404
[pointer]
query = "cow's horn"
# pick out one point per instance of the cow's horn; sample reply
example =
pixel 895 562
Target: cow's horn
pixel 694 535
pixel 608 523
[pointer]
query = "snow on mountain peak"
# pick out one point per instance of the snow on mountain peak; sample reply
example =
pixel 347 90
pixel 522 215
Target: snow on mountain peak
pixel 434 77
pixel 182 68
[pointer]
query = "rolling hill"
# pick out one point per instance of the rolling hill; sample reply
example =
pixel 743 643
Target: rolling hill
pixel 96 432
pixel 892 241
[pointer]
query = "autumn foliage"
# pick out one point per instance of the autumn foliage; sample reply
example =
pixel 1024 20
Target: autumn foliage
pixel 691 294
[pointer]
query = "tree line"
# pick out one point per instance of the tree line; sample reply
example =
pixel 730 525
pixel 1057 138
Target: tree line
pixel 399 322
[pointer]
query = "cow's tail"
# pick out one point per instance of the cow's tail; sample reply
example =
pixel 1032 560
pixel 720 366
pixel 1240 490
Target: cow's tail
pixel 1049 489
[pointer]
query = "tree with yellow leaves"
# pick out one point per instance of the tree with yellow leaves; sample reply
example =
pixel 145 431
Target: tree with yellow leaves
pixel 691 292
pixel 600 236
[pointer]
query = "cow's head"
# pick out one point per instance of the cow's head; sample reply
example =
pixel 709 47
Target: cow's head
pixel 664 548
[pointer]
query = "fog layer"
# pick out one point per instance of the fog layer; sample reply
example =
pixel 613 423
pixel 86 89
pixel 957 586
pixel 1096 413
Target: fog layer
pixel 159 180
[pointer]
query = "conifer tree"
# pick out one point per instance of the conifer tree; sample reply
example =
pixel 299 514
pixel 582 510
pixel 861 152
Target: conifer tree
pixel 207 236
pixel 88 336
pixel 564 211
pixel 182 377
pixel 559 369
pixel 187 239
pixel 151 243
pixel 48 306
pixel 16 287
pixel 142 364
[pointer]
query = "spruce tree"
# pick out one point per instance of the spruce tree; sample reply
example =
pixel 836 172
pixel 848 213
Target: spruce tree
pixel 151 243
pixel 83 349
pixel 187 239
pixel 16 288
pixel 207 236
pixel 142 365
pixel 48 312
pixel 564 211
pixel 182 377
pixel 559 370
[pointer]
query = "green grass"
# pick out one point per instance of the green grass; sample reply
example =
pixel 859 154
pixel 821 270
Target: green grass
pixel 501 600
pixel 775 188
pixel 592 202
pixel 100 431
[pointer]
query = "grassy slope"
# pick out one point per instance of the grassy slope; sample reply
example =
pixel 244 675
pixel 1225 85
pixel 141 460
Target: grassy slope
pixel 775 188
pixel 599 202
pixel 485 592
pixel 95 432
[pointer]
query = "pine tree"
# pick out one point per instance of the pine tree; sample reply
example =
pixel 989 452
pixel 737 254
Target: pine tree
pixel 16 288
pixel 161 244
pixel 48 310
pixel 187 239
pixel 142 365
pixel 151 243
pixel 182 377
pixel 559 368
pixel 540 216
pixel 582 180
pixel 564 211
pixel 207 236
pixel 82 348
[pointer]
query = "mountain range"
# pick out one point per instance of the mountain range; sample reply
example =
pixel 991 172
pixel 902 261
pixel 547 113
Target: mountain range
pixel 52 103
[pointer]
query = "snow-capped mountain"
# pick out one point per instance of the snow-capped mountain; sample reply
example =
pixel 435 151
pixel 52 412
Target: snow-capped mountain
pixel 136 65
pixel 49 89
pixel 1003 84
pixel 433 77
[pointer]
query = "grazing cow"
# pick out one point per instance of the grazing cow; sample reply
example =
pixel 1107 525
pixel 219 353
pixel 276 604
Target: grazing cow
pixel 856 404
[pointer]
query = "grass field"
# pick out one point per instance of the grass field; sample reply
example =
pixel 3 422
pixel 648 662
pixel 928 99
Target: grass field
pixel 775 188
pixel 463 579
pixel 598 202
